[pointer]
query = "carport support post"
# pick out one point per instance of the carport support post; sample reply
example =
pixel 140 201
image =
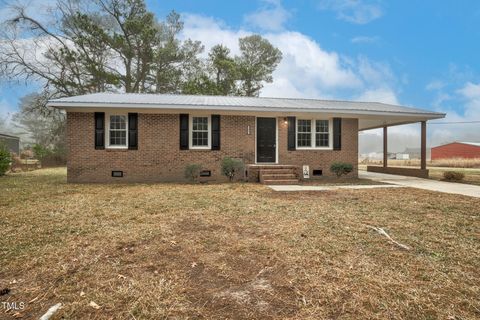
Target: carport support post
pixel 385 152
pixel 423 147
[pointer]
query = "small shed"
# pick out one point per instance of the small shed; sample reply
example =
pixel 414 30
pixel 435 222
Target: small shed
pixel 12 142
pixel 465 150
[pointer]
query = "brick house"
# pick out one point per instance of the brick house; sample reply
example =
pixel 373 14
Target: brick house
pixel 148 137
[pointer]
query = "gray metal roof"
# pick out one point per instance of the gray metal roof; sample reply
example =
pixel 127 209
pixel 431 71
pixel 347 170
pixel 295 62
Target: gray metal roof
pixel 471 143
pixel 370 114
pixel 476 144
pixel 3 135
pixel 230 103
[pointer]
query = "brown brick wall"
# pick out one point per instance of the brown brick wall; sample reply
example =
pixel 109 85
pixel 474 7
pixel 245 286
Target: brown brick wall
pixel 411 172
pixel 159 158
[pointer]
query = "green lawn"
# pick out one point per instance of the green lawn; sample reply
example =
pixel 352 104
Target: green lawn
pixel 237 251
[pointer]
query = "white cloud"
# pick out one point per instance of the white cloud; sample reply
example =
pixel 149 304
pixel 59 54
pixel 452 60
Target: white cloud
pixel 6 112
pixel 375 73
pixel 272 16
pixel 5 108
pixel 364 40
pixel 354 11
pixel 435 85
pixel 470 91
pixel 471 94
pixel 211 32
pixel 440 98
pixel 307 65
pixel 385 95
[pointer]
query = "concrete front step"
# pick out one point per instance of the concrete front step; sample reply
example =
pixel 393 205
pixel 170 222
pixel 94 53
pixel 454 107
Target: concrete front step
pixel 281 182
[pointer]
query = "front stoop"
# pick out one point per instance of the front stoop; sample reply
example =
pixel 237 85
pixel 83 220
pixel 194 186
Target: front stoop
pixel 278 175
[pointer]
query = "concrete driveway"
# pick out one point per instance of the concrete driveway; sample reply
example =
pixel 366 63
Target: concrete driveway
pixel 426 184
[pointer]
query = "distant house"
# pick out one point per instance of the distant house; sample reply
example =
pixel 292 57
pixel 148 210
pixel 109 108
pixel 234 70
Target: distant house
pixel 12 142
pixel 466 150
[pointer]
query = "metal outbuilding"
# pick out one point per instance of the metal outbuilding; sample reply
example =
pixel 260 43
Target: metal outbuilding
pixel 12 142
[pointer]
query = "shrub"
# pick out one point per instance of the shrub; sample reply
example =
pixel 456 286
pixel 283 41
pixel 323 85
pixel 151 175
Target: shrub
pixel 5 159
pixel 41 152
pixel 49 157
pixel 192 172
pixel 232 167
pixel 341 168
pixel 453 176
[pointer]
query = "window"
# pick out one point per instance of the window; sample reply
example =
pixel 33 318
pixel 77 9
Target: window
pixel 117 131
pixel 314 133
pixel 200 132
pixel 304 137
pixel 321 133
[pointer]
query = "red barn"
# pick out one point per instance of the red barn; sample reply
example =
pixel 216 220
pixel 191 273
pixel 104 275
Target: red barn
pixel 457 150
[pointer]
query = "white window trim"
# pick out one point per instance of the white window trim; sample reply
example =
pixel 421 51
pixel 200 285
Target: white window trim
pixel 313 136
pixel 107 130
pixel 190 132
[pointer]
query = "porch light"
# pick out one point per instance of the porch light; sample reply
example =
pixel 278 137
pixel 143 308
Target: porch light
pixel 285 121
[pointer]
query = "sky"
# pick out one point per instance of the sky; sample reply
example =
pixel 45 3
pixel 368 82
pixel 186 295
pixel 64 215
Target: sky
pixel 423 54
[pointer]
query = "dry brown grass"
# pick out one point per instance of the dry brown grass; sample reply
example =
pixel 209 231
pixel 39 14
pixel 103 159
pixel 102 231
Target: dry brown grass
pixel 448 163
pixel 235 251
pixel 472 176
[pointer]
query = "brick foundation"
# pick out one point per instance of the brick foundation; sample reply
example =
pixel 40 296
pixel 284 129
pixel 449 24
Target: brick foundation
pixel 410 172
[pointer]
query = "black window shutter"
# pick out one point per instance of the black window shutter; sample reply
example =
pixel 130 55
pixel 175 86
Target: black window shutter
pixel 133 131
pixel 99 130
pixel 215 132
pixel 291 133
pixel 183 131
pixel 337 133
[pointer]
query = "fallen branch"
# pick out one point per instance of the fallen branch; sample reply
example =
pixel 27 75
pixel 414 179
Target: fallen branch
pixel 51 311
pixel 383 233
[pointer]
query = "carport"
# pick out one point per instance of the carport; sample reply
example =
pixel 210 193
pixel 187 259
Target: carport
pixel 395 118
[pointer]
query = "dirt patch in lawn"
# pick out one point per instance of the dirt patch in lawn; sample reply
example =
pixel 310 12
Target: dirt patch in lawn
pixel 238 251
